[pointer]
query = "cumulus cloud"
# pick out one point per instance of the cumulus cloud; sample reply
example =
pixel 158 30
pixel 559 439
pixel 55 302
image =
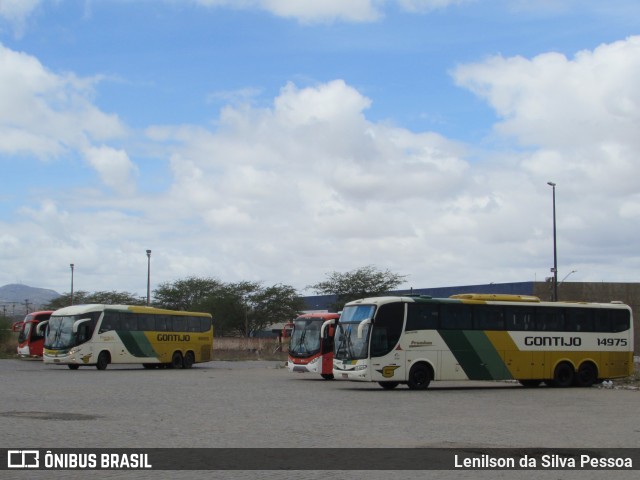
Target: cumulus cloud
pixel 114 167
pixel 578 118
pixel 47 114
pixel 582 113
pixel 16 13
pixel 314 11
pixel 310 184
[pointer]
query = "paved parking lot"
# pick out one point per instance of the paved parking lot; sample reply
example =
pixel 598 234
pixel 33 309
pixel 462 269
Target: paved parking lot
pixel 261 404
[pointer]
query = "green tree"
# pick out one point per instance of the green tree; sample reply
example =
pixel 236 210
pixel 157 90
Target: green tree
pixel 244 308
pixel 107 297
pixel 359 283
pixel 185 294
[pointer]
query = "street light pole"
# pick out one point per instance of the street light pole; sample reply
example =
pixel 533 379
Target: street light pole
pixel 555 249
pixel 148 277
pixel 71 265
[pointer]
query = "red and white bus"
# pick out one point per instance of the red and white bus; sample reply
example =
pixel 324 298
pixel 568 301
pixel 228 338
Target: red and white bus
pixel 311 344
pixel 30 340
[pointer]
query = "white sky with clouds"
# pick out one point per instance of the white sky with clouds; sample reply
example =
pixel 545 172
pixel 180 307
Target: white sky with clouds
pixel 280 140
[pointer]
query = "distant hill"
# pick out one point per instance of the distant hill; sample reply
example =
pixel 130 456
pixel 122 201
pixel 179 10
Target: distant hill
pixel 17 294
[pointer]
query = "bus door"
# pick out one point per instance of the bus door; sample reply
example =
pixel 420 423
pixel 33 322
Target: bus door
pixel 387 357
pixel 327 332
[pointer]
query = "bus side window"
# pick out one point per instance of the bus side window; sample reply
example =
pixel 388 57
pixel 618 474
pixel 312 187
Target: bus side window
pixel 179 323
pixel 161 323
pixel 107 322
pixel 488 318
pixel 387 328
pixel 128 322
pixel 579 320
pixel 455 317
pixel 519 318
pixel 551 320
pixel 422 316
pixel 602 321
pixel 620 320
pixel 146 322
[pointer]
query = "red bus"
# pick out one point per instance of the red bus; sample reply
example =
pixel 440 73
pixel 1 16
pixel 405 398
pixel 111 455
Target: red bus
pixel 311 344
pixel 30 341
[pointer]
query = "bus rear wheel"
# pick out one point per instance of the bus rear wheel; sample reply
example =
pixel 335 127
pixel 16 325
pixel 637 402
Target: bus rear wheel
pixel 419 377
pixel 388 385
pixel 73 367
pixel 563 375
pixel 176 360
pixel 327 376
pixel 103 361
pixel 189 360
pixel 587 375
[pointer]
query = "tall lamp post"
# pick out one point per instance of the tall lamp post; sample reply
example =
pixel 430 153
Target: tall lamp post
pixel 71 265
pixel 148 277
pixel 555 250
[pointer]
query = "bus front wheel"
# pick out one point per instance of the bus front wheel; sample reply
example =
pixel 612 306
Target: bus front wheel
pixel 73 366
pixel 563 375
pixel 419 377
pixel 176 360
pixel 103 361
pixel 327 376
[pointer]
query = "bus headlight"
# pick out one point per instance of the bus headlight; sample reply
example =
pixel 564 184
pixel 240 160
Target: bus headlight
pixel 360 367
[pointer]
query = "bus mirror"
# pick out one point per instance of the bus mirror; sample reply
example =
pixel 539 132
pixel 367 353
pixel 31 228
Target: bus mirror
pixel 361 326
pixel 77 323
pixel 323 328
pixel 41 326
pixel 16 327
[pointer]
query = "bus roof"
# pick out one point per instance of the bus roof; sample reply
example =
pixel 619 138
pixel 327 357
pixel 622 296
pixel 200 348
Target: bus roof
pixel 500 299
pixel 492 297
pixel 325 315
pixel 98 307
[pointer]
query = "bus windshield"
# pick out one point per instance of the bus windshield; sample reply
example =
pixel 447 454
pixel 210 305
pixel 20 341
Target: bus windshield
pixel 352 334
pixel 60 332
pixel 305 339
pixel 25 332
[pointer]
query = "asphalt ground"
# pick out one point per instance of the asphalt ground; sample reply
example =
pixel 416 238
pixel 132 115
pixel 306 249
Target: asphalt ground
pixel 263 405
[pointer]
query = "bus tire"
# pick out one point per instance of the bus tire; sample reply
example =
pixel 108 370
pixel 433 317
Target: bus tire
pixel 420 376
pixel 587 375
pixel 327 376
pixel 149 366
pixel 176 360
pixel 388 385
pixel 563 375
pixel 103 360
pixel 189 360
pixel 73 367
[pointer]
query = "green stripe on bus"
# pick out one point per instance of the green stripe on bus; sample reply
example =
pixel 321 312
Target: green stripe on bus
pixel 488 354
pixel 137 344
pixel 475 354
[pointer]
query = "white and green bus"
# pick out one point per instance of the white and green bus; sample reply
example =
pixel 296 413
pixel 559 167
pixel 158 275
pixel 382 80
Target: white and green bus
pixel 98 335
pixel 415 339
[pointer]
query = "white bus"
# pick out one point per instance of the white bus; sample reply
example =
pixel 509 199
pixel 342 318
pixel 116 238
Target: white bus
pixel 415 339
pixel 98 335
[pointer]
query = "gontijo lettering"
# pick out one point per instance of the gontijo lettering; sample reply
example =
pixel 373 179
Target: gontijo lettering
pixel 553 341
pixel 169 337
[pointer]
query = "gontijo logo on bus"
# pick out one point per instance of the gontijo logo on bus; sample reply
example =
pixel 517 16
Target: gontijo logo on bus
pixel 545 341
pixel 173 337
